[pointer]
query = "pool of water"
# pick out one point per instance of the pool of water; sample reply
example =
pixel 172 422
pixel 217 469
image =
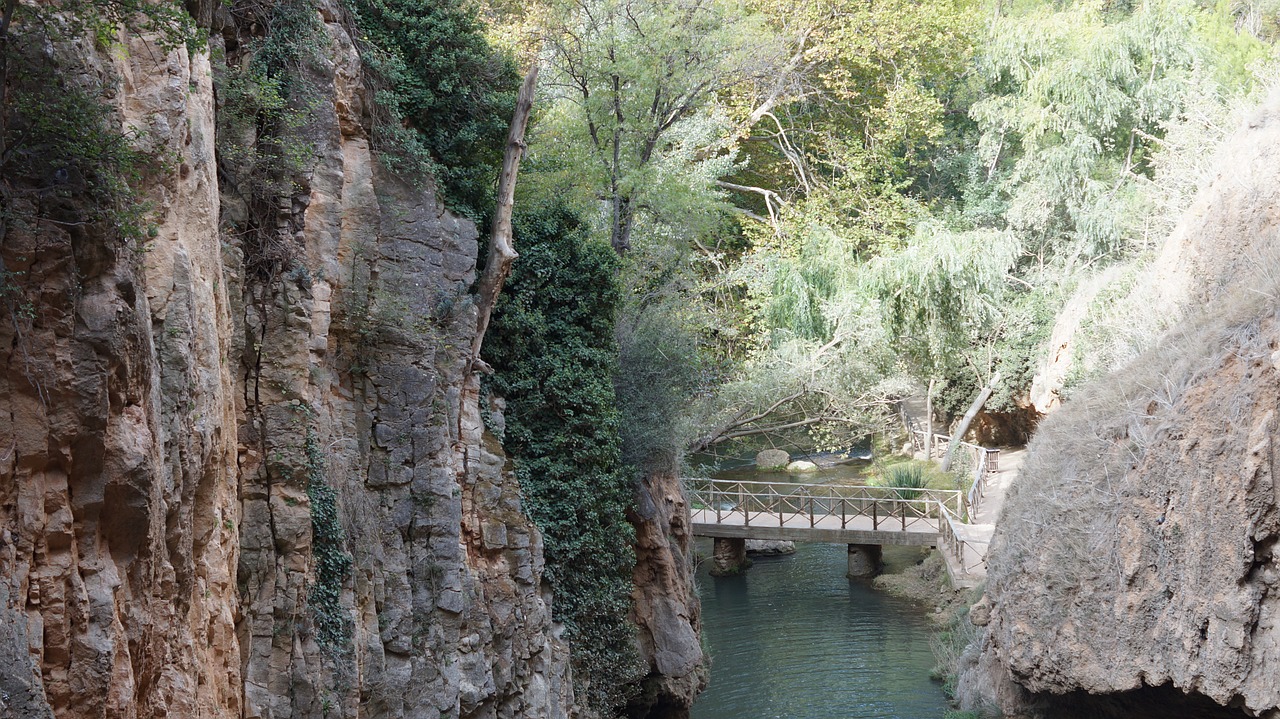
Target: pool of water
pixel 794 638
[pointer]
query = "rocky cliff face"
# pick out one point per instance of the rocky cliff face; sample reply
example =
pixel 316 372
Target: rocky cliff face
pixel 234 493
pixel 1134 572
pixel 666 610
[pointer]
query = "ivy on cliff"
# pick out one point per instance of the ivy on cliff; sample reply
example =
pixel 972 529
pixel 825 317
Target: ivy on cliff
pixel 447 97
pixel 552 343
pixel 264 96
pixel 333 563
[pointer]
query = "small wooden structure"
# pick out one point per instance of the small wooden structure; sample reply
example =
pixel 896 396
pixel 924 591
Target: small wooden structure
pixel 859 516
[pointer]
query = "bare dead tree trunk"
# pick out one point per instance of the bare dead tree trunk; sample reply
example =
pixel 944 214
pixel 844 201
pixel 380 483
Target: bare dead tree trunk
pixel 502 252
pixel 928 421
pixel 956 436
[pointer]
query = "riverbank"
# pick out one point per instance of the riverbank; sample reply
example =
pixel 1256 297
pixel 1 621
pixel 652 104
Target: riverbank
pixel 952 632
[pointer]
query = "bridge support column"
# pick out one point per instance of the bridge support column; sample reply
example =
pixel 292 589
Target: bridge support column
pixel 864 560
pixel 729 557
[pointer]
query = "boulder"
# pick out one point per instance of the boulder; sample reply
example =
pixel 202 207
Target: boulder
pixel 802 467
pixel 772 459
pixel 770 547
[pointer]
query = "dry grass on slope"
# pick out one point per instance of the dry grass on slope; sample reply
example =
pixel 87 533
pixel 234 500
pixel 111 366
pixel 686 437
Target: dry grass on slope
pixel 1082 469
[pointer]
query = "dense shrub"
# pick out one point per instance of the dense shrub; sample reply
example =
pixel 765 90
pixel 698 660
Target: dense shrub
pixel 552 343
pixel 448 96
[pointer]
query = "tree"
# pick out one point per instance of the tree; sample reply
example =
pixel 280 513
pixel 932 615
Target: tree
pixel 862 102
pixel 940 294
pixel 1075 103
pixel 635 83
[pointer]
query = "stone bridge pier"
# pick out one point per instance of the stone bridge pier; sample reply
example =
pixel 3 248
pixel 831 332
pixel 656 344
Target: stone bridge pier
pixel 729 556
pixel 865 560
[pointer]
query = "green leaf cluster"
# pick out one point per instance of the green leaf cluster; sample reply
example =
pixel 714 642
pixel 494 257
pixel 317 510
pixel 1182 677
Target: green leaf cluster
pixel 447 96
pixel 552 344
pixel 333 563
pixel 631 113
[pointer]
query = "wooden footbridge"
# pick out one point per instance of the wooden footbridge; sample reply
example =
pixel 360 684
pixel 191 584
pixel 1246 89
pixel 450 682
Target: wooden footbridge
pixel 865 518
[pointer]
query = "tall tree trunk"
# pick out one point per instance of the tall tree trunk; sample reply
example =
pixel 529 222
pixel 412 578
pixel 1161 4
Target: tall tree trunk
pixel 501 250
pixel 928 421
pixel 627 217
pixel 956 436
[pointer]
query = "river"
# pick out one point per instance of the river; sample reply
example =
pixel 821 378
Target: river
pixel 792 638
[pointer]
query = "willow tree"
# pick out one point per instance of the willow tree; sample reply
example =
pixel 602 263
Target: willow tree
pixel 940 294
pixel 1075 103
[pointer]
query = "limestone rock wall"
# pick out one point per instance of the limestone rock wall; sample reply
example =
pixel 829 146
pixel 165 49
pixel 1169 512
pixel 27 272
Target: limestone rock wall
pixel 1134 571
pixel 118 503
pixel 667 611
pixel 173 418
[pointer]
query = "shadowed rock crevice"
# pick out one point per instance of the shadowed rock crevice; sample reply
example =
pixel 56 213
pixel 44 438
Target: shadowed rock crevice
pixel 1162 702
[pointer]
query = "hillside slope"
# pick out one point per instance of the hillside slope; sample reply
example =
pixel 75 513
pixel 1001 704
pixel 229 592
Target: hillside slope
pixel 1133 572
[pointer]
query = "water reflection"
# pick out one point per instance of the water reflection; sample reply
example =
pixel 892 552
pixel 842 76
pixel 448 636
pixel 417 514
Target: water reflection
pixel 794 638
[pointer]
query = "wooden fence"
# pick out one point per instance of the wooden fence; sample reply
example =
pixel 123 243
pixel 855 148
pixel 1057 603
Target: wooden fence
pixel 779 504
pixel 979 461
pixel 970 556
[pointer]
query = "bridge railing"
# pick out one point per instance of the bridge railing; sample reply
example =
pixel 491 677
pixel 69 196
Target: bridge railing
pixel 770 503
pixel 971 556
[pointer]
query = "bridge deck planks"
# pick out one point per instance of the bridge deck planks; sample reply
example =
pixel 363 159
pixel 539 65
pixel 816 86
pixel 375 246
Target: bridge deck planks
pixel 796 527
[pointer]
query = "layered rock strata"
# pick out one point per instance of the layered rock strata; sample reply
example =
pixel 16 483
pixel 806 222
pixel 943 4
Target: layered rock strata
pixel 226 492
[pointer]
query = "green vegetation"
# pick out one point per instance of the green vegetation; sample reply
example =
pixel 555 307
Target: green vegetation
pixel 263 146
pixel 907 479
pixel 61 139
pixel 446 97
pixel 65 159
pixel 552 344
pixel 838 204
pixel 948 646
pixel 333 564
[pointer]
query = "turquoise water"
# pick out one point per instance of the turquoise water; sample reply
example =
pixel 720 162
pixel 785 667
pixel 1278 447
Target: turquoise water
pixel 792 638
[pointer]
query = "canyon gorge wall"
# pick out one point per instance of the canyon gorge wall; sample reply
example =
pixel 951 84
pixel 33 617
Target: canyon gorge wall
pixel 1134 572
pixel 244 473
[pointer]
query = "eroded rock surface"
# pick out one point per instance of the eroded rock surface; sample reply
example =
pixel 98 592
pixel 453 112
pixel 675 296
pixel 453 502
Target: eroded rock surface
pixel 1134 571
pixel 176 417
pixel 666 611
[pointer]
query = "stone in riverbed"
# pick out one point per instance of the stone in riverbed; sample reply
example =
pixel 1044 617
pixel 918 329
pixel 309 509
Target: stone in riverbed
pixel 772 459
pixel 802 467
pixel 770 547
